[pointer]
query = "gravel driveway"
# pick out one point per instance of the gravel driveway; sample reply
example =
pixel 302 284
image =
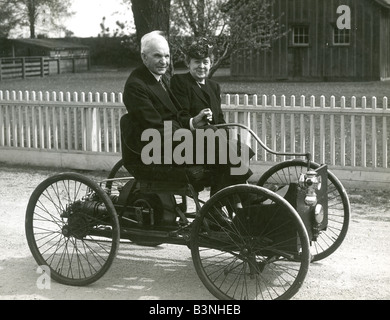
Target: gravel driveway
pixel 359 269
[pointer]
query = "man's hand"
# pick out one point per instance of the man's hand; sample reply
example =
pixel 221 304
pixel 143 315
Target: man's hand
pixel 203 118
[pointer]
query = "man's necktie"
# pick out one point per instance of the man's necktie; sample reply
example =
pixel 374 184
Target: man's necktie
pixel 163 85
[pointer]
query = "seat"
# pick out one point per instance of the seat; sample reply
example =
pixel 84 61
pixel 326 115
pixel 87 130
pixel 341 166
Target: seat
pixel 161 177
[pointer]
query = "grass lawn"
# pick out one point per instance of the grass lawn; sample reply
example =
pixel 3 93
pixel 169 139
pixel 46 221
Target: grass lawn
pixel 112 80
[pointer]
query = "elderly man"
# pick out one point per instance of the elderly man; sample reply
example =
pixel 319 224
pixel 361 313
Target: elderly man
pixel 151 105
pixel 148 98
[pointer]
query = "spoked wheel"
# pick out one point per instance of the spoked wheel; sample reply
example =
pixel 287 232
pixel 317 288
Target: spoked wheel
pixel 248 243
pixel 339 209
pixel 117 172
pixel 72 227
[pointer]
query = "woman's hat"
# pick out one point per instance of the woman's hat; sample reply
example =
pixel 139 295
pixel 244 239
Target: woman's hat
pixel 200 49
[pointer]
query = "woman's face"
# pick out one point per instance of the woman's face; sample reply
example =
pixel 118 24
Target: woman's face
pixel 200 68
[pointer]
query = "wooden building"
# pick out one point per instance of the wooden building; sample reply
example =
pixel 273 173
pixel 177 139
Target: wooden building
pixel 62 56
pixel 317 49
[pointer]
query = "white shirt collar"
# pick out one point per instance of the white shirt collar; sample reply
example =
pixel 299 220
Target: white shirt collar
pixel 157 76
pixel 203 81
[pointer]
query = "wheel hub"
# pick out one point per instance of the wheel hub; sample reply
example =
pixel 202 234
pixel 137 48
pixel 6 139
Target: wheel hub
pixel 66 231
pixel 77 227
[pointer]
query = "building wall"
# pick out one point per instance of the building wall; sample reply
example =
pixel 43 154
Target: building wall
pixel 321 60
pixel 21 50
pixel 69 53
pixel 385 44
pixel 60 61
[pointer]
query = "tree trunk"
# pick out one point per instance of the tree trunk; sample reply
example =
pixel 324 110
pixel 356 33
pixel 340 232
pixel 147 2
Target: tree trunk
pixel 32 31
pixel 32 13
pixel 200 8
pixel 151 15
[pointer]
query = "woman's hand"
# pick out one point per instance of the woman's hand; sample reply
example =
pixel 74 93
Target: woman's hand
pixel 203 118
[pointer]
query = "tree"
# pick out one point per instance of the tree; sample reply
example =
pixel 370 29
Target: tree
pixel 230 24
pixel 8 19
pixel 150 15
pixel 104 31
pixel 27 12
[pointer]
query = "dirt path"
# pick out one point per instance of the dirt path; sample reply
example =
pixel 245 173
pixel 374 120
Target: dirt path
pixel 359 269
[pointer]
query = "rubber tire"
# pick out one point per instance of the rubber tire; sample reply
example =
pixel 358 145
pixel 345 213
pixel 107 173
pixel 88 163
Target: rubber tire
pixel 228 193
pixel 115 173
pixel 32 214
pixel 338 187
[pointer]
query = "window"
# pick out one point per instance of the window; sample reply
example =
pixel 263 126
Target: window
pixel 300 35
pixel 341 37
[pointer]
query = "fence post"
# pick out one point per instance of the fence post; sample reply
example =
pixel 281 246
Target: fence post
pixel 94 129
pixel 73 65
pixel 2 127
pixel 42 67
pixel 24 68
pixel 59 65
pixel 384 130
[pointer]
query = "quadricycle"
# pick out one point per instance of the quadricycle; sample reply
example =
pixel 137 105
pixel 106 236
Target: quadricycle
pixel 247 241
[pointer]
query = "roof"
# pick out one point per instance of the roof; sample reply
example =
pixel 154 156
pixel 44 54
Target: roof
pixel 54 44
pixel 385 3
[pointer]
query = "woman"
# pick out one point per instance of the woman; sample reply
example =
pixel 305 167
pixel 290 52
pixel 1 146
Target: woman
pixel 197 93
pixel 193 89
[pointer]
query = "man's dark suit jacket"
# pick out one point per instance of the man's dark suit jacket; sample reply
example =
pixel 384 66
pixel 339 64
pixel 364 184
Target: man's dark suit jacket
pixel 148 106
pixel 193 99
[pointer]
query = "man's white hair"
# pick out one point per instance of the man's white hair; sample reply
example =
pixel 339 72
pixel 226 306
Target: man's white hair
pixel 150 37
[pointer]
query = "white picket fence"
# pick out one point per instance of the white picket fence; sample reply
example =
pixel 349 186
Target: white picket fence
pixel 62 122
pixel 79 130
